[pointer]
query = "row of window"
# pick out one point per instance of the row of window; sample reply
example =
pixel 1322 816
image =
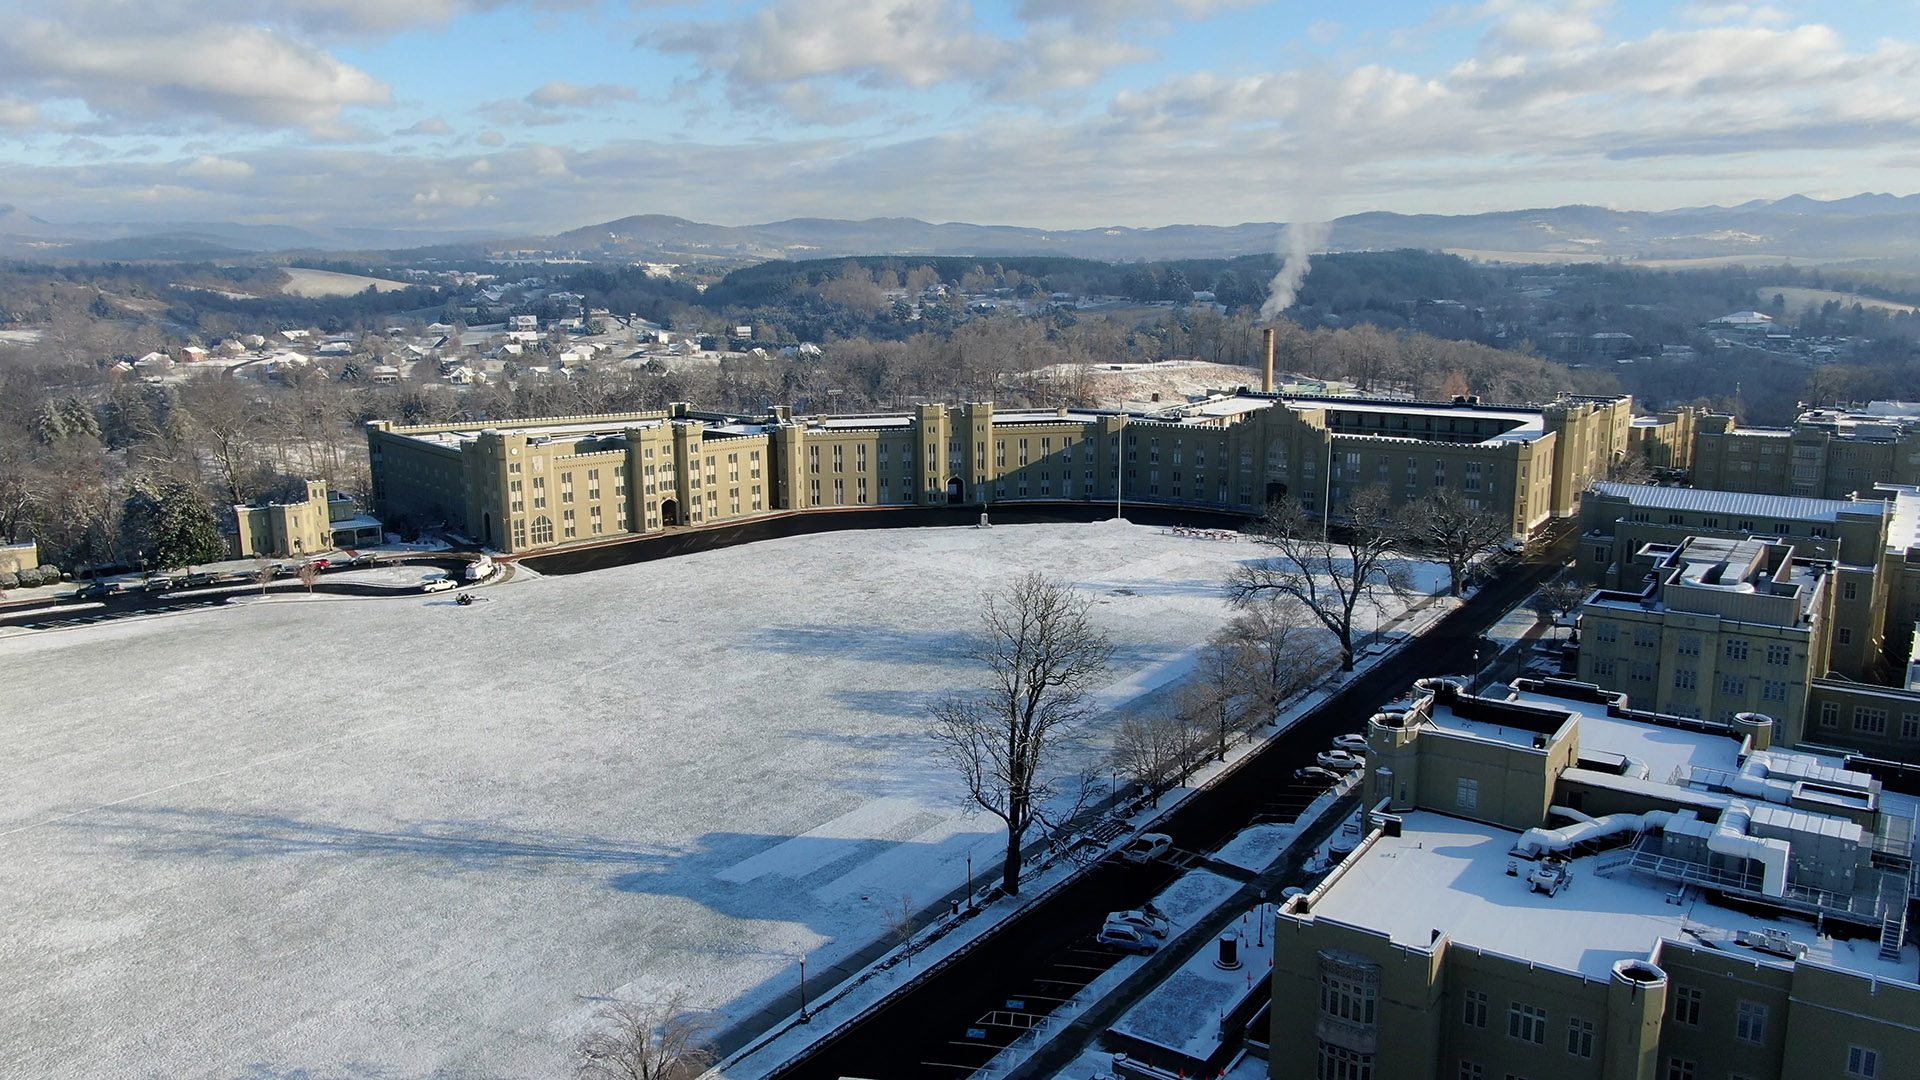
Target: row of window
pixel 1869 720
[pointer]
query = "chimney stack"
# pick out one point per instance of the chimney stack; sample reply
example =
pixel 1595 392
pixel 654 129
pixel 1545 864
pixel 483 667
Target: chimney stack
pixel 1266 346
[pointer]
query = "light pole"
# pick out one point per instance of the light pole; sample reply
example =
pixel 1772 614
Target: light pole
pixel 969 879
pixel 805 1016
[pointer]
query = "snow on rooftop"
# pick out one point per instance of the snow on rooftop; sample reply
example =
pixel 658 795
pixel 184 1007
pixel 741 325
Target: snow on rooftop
pixel 405 838
pixel 1663 749
pixel 1458 869
pixel 1444 719
pixel 1763 509
pixel 1183 1012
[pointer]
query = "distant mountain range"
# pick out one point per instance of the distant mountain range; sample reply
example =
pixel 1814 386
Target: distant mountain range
pixel 1863 227
pixel 23 235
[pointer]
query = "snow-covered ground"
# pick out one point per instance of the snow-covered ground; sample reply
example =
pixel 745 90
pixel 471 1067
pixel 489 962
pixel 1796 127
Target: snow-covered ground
pixel 402 838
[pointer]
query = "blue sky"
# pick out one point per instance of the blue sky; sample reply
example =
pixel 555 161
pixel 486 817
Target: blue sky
pixel 545 114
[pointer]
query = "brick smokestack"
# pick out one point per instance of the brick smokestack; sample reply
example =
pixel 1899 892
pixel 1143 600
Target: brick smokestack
pixel 1266 348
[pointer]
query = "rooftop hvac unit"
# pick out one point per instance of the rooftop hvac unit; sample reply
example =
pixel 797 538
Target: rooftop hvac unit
pixel 1774 941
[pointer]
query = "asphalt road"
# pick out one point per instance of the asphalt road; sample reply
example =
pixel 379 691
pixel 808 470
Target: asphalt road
pixel 957 1018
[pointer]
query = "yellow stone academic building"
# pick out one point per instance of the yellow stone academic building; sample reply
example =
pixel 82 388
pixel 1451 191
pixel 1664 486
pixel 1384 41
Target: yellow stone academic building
pixel 526 485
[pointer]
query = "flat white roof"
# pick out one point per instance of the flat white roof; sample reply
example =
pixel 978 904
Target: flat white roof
pixel 1763 509
pixel 1458 871
pixel 1445 719
pixel 1663 749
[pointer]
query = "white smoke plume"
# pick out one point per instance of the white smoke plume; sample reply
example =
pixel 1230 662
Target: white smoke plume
pixel 1298 241
pixel 1317 162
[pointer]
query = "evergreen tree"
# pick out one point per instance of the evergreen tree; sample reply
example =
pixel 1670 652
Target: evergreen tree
pixel 172 525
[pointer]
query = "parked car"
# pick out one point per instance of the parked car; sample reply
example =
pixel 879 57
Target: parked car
pixel 159 583
pixel 202 577
pixel 1355 743
pixel 1339 760
pixel 1149 919
pixel 364 558
pixel 1127 938
pixel 1146 847
pixel 440 584
pixel 319 564
pixel 1316 774
pixel 98 590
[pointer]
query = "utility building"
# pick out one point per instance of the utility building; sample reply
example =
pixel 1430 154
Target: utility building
pixel 1554 885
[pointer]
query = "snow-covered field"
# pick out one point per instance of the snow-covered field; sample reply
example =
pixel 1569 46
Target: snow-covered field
pixel 399 838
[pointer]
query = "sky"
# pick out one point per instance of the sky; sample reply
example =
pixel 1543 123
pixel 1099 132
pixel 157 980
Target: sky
pixel 541 115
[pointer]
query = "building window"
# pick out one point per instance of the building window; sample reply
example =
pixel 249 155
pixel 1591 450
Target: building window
pixel 1751 1025
pixel 1870 721
pixel 1679 1069
pixel 1347 999
pixel 1645 637
pixel 1779 655
pixel 1733 684
pixel 1829 714
pixel 1689 645
pixel 1475 1011
pixel 1603 667
pixel 1850 590
pixel 1910 725
pixel 1340 1063
pixel 1773 690
pixel 1472 1070
pixel 1736 649
pixel 1641 671
pixel 1528 1023
pixel 1466 794
pixel 1846 635
pixel 543 530
pixel 1863 1062
pixel 1605 630
pixel 1685 678
pixel 1580 1038
pixel 1686 1006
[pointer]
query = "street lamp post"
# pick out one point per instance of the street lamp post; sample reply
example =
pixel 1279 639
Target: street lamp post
pixel 805 1016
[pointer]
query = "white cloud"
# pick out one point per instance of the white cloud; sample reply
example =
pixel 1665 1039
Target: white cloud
pixel 17 114
pixel 208 167
pixel 1723 13
pixel 432 125
pixel 229 74
pixel 1098 14
pixel 558 94
pixel 810 59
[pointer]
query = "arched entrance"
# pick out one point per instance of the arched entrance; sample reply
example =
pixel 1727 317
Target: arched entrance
pixel 1276 493
pixel 670 512
pixel 956 490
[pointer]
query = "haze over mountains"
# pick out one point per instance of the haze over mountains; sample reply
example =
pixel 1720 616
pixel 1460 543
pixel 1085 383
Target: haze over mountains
pixel 1862 227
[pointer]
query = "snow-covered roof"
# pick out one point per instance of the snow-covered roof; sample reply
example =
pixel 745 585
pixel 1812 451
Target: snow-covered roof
pixel 1736 503
pixel 1458 870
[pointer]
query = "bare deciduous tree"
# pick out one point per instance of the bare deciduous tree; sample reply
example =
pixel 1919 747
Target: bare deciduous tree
pixel 1279 652
pixel 1217 690
pixel 1333 580
pixel 632 1040
pixel 898 916
pixel 262 574
pixel 1558 599
pixel 309 574
pixel 1445 524
pixel 1044 657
